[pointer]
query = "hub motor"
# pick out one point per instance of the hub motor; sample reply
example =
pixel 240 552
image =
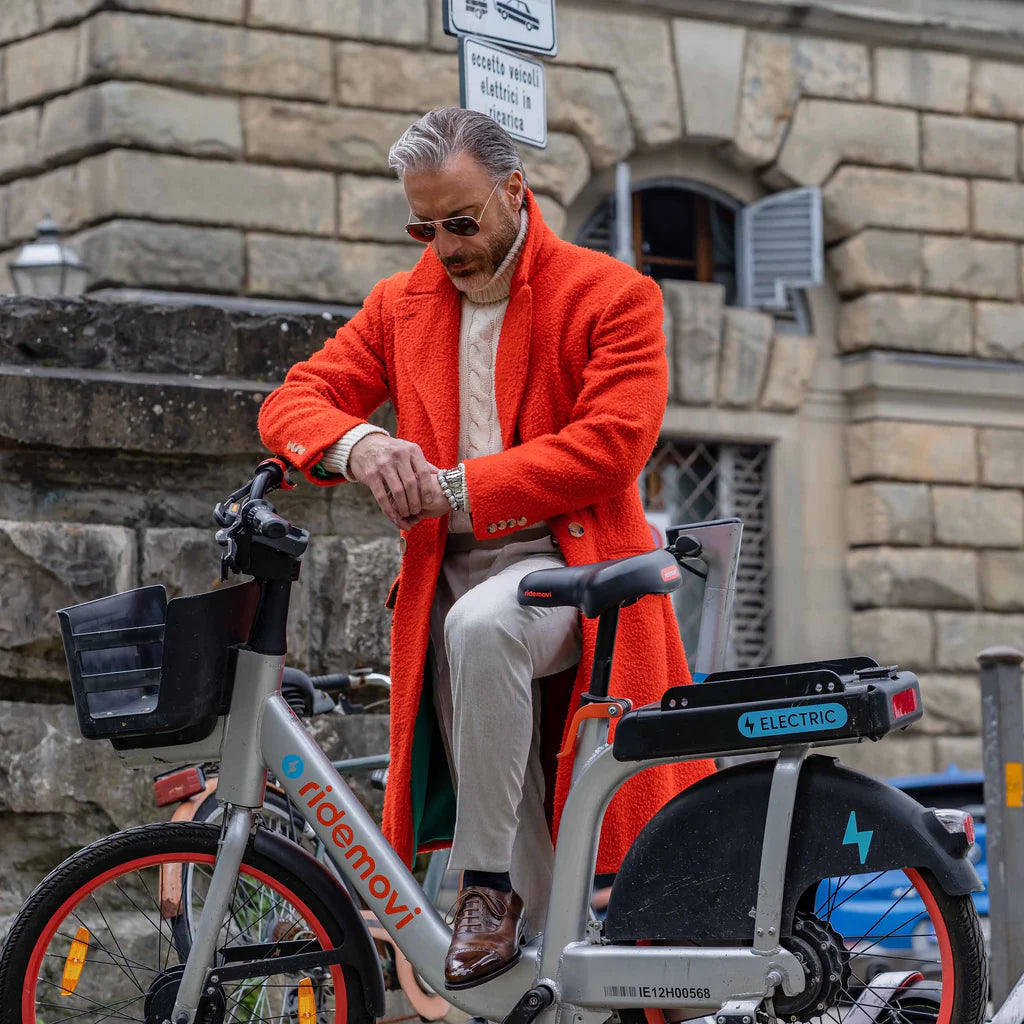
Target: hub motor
pixel 162 993
pixel 826 963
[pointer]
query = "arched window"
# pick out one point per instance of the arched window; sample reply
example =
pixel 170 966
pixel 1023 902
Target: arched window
pixel 681 229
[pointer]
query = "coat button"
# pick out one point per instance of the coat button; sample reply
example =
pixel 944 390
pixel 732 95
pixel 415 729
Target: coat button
pixel 492 527
pixel 502 524
pixel 521 521
pixel 576 529
pixel 402 544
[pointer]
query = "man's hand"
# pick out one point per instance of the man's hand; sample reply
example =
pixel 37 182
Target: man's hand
pixel 400 478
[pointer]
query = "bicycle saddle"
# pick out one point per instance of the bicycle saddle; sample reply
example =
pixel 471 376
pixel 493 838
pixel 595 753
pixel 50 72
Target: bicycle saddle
pixel 598 586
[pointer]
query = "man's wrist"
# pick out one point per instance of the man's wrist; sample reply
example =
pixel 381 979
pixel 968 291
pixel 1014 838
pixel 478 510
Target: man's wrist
pixel 336 458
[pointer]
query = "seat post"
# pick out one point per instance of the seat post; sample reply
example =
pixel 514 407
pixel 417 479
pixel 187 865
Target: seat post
pixel 604 649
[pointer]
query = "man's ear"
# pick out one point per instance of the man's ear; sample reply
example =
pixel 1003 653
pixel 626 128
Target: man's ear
pixel 516 190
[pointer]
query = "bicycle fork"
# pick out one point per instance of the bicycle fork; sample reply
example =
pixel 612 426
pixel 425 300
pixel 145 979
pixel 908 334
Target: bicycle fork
pixel 238 825
pixel 243 779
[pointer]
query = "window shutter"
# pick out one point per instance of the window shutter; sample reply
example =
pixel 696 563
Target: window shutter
pixel 610 227
pixel 780 245
pixel 599 231
pixel 623 233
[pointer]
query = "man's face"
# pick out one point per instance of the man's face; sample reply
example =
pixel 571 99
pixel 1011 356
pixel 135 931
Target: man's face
pixel 461 188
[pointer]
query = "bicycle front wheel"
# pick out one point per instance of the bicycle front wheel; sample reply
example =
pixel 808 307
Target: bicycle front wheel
pixel 99 939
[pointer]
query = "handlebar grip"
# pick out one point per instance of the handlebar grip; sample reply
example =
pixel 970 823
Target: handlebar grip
pixel 333 683
pixel 267 522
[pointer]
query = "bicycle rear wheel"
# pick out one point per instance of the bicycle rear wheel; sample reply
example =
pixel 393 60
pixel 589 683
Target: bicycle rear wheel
pixel 96 940
pixel 892 922
pixel 846 941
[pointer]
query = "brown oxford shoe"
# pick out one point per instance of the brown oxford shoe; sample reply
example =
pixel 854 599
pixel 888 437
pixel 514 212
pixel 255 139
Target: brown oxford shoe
pixel 487 927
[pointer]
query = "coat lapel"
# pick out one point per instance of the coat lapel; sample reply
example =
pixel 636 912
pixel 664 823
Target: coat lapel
pixel 427 357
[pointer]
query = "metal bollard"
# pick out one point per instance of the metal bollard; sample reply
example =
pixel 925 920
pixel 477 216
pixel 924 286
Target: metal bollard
pixel 1002 733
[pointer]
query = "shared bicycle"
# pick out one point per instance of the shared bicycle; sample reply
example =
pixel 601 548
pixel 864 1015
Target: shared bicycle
pixel 724 905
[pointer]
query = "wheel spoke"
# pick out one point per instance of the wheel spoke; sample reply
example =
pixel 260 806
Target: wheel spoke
pixel 111 1013
pixel 110 931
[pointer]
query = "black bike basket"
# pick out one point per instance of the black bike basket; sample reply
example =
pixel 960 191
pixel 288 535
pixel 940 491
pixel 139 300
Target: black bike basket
pixel 146 671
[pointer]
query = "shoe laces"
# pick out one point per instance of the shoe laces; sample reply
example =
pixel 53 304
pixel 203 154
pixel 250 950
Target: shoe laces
pixel 471 904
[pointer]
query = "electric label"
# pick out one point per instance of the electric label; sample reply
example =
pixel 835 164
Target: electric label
pixel 784 721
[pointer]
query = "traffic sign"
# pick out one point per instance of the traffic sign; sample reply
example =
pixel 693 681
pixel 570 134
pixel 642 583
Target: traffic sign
pixel 506 87
pixel 522 24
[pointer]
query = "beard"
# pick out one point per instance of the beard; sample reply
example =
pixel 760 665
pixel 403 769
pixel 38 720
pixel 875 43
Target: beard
pixel 497 249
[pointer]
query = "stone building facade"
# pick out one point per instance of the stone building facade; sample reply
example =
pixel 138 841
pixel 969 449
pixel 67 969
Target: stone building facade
pixel 237 148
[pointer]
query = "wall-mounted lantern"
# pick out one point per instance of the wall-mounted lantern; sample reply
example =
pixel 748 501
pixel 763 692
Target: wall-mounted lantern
pixel 46 266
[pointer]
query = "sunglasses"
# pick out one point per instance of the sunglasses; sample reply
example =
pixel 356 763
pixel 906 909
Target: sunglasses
pixel 424 230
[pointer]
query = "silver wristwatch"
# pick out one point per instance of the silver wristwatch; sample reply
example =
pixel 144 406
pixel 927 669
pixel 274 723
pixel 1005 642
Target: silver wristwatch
pixel 453 486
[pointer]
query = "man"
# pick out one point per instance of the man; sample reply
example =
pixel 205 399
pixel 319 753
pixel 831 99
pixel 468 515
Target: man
pixel 529 380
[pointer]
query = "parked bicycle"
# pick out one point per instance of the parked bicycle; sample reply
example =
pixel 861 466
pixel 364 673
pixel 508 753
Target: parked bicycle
pixel 724 903
pixel 194 789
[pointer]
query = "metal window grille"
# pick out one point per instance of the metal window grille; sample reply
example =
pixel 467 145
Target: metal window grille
pixel 688 482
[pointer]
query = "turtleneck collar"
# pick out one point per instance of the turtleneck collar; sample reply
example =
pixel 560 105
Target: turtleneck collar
pixel 497 288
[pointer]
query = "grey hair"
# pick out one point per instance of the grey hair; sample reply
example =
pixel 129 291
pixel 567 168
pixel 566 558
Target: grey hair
pixel 429 143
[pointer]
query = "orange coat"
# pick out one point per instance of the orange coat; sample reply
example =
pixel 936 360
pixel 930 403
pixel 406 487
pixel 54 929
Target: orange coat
pixel 580 383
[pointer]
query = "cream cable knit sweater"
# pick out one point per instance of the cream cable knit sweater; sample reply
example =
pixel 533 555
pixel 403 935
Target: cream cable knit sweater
pixel 479 330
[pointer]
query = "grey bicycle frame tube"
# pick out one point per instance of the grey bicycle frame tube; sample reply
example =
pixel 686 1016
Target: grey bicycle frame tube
pixel 592 974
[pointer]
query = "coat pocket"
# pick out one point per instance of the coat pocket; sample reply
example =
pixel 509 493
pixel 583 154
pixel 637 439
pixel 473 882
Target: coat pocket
pixel 389 601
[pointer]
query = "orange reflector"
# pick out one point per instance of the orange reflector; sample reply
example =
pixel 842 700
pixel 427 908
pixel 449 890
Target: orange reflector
pixel 74 962
pixel 307 1002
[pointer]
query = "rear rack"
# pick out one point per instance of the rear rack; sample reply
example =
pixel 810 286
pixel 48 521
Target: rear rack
pixel 818 703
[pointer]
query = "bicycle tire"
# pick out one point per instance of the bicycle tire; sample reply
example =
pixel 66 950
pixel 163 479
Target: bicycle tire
pixel 958 971
pixel 108 890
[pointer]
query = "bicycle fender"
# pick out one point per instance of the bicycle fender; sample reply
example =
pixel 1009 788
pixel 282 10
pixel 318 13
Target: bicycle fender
pixel 359 946
pixel 692 872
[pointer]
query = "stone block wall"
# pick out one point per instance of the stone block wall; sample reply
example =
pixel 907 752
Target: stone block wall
pixel 731 358
pixel 120 428
pixel 242 148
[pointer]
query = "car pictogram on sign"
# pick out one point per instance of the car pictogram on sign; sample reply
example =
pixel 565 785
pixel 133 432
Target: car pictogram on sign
pixel 476 7
pixel 517 10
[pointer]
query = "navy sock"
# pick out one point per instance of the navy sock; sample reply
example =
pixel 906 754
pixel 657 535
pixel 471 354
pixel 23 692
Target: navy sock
pixel 499 880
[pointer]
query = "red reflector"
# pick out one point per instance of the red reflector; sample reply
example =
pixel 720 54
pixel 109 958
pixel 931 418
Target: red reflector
pixel 904 702
pixel 177 786
pixel 969 828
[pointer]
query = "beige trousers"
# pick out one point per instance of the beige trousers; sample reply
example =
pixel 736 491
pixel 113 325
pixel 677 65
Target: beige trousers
pixel 489 651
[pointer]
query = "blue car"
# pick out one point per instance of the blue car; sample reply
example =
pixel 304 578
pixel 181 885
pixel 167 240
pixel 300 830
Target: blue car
pixel 908 940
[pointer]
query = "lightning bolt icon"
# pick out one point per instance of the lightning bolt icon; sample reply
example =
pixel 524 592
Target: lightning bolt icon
pixel 860 839
pixel 749 724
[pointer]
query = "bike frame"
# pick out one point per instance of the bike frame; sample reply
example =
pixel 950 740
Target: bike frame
pixel 587 979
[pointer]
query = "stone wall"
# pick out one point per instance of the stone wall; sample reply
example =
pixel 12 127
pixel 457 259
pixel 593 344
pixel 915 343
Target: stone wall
pixel 242 148
pixel 120 427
